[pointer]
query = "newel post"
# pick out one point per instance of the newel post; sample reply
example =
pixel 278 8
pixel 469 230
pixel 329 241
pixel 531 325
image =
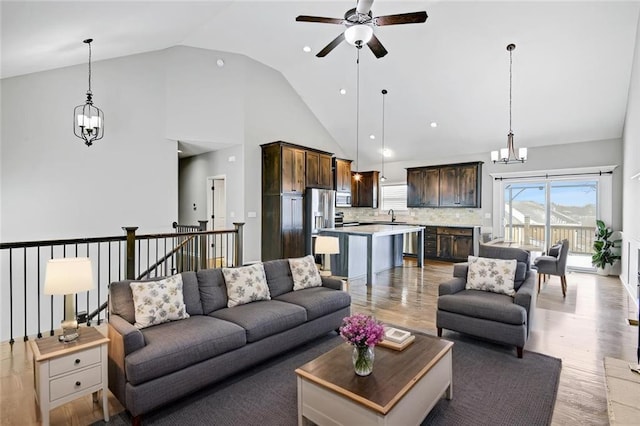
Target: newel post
pixel 203 243
pixel 238 248
pixel 130 264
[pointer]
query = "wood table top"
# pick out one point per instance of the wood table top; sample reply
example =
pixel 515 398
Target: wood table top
pixel 50 347
pixel 394 372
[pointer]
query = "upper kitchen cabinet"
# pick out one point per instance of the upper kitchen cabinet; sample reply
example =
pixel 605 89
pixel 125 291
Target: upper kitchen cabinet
pixel 461 185
pixel 293 170
pixel 423 187
pixel 365 190
pixel 342 170
pixel 318 174
pixel 451 185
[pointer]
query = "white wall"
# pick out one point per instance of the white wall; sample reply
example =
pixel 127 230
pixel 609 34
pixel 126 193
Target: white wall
pixel 631 207
pixel 53 186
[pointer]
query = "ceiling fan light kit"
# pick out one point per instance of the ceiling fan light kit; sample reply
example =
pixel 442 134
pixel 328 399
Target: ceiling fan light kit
pixel 88 119
pixel 508 155
pixel 357 35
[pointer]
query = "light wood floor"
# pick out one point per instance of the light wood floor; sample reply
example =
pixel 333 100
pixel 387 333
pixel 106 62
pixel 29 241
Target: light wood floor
pixel 591 323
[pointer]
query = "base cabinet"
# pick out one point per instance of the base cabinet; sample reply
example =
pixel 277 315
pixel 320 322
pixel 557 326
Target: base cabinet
pixel 455 243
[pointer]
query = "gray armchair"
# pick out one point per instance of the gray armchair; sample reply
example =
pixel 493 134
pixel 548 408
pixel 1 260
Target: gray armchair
pixel 554 263
pixel 493 316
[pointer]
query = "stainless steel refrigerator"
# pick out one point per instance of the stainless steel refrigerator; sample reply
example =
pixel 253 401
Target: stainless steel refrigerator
pixel 320 209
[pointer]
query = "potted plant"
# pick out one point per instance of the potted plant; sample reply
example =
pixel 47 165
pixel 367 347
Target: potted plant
pixel 604 255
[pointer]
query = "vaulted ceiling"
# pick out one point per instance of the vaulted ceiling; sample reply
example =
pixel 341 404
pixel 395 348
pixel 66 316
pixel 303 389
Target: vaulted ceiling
pixel 571 66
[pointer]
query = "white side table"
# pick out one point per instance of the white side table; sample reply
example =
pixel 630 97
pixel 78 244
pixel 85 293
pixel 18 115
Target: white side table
pixel 66 371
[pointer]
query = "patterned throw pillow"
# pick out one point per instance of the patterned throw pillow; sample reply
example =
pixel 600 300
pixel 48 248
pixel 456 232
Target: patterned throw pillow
pixel 495 275
pixel 156 302
pixel 554 250
pixel 245 284
pixel 304 272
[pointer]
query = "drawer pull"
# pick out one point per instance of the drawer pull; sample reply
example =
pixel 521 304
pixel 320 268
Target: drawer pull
pixel 77 361
pixel 78 383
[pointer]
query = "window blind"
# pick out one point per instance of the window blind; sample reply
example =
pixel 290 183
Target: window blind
pixel 393 197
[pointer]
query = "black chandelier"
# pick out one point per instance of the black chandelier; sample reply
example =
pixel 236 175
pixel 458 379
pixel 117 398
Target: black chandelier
pixel 88 119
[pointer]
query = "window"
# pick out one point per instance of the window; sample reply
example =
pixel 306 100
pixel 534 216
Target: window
pixel 393 197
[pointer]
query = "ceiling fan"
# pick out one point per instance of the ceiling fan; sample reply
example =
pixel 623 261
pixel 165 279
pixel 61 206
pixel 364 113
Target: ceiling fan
pixel 359 23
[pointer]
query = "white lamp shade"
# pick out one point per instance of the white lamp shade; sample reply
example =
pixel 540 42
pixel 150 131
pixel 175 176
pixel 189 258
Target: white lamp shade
pixel 504 153
pixel 69 275
pixel 494 156
pixel 522 153
pixel 358 33
pixel 327 245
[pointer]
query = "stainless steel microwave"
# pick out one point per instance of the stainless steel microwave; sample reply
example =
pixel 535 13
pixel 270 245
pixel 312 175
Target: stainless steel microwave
pixel 343 199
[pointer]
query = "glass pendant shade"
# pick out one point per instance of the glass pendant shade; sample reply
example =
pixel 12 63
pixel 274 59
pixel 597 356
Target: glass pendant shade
pixel 357 35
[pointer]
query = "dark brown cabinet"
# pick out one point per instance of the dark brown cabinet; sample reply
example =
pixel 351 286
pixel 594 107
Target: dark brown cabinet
pixel 318 173
pixel 293 170
pixel 460 185
pixel 287 170
pixel 423 187
pixel 364 191
pixel 342 169
pixel 455 243
pixel 452 185
pixel 430 242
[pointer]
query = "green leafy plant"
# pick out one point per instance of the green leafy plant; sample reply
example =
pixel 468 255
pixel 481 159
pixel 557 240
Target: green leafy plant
pixel 603 247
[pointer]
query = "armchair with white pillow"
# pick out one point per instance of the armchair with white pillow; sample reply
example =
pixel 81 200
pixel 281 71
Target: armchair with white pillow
pixel 492 297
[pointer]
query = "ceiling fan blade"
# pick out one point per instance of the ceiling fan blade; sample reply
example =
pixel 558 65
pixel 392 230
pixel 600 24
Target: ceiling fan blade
pixel 329 47
pixel 402 18
pixel 364 6
pixel 376 47
pixel 320 19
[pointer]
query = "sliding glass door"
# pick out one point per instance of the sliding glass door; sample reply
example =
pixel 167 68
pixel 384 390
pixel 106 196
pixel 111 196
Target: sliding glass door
pixel 539 213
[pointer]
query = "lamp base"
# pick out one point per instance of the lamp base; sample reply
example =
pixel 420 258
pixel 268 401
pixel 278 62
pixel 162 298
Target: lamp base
pixel 69 331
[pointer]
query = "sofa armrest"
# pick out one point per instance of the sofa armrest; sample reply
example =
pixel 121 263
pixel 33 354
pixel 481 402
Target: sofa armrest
pixel 131 337
pixel 333 283
pixel 452 286
pixel 460 270
pixel 526 296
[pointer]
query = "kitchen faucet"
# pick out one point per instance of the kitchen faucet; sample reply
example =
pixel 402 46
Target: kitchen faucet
pixel 393 215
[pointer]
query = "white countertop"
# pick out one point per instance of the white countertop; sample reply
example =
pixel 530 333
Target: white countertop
pixel 376 230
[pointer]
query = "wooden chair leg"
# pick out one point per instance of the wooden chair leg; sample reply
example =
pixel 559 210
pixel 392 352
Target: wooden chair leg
pixel 539 282
pixel 439 331
pixel 519 350
pixel 563 281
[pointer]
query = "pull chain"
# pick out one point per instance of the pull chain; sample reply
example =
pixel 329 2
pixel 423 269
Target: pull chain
pixel 357 109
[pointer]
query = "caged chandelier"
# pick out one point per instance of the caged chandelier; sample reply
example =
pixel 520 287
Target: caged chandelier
pixel 88 119
pixel 508 155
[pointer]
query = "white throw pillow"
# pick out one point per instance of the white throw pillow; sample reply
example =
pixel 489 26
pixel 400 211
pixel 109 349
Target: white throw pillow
pixel 304 272
pixel 160 301
pixel 246 284
pixel 495 275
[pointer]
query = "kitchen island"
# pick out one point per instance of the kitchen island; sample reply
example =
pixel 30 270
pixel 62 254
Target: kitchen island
pixel 369 249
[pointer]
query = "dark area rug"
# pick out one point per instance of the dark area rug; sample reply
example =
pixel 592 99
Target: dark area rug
pixel 491 386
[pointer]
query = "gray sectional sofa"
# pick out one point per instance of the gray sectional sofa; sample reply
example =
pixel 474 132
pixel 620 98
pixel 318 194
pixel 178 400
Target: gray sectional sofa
pixel 152 366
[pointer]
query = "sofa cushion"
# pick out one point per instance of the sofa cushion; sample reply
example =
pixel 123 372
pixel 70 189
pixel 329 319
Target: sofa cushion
pixel 175 345
pixel 318 301
pixel 121 298
pixel 279 277
pixel 554 250
pixel 485 305
pixel 213 290
pixel 159 301
pixel 264 318
pixel 495 275
pixel 304 273
pixel 245 284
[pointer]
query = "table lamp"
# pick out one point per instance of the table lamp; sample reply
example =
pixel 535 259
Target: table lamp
pixel 324 246
pixel 68 276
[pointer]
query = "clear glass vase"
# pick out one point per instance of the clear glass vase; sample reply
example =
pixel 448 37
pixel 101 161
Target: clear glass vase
pixel 363 357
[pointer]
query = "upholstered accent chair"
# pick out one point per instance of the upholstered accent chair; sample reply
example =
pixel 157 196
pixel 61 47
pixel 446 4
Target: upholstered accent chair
pixel 554 263
pixel 489 315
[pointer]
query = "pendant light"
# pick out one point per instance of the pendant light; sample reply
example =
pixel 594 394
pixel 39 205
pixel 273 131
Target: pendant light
pixel 382 176
pixel 357 176
pixel 88 119
pixel 508 155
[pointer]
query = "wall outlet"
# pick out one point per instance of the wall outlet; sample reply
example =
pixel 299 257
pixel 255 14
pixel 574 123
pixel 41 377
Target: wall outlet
pixel 232 214
pixel 457 215
pixel 413 214
pixel 252 214
pixel 487 215
pixel 232 159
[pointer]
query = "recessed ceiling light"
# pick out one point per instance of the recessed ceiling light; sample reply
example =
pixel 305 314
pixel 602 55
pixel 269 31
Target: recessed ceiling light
pixel 179 151
pixel 372 136
pixel 343 91
pixel 307 49
pixel 434 124
pixel 386 152
pixel 220 63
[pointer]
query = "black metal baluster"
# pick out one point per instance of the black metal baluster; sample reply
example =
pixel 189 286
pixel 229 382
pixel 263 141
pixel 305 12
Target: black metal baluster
pixel 11 341
pixel 24 264
pixel 51 301
pixel 39 331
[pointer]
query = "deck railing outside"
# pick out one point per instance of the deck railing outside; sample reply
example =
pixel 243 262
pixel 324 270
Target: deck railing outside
pixel 580 237
pixel 26 311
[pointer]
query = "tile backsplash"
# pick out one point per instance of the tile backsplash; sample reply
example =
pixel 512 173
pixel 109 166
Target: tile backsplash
pixel 423 216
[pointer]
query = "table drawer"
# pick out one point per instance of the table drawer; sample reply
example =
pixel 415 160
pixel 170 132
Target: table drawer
pixel 75 382
pixel 467 232
pixel 74 361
